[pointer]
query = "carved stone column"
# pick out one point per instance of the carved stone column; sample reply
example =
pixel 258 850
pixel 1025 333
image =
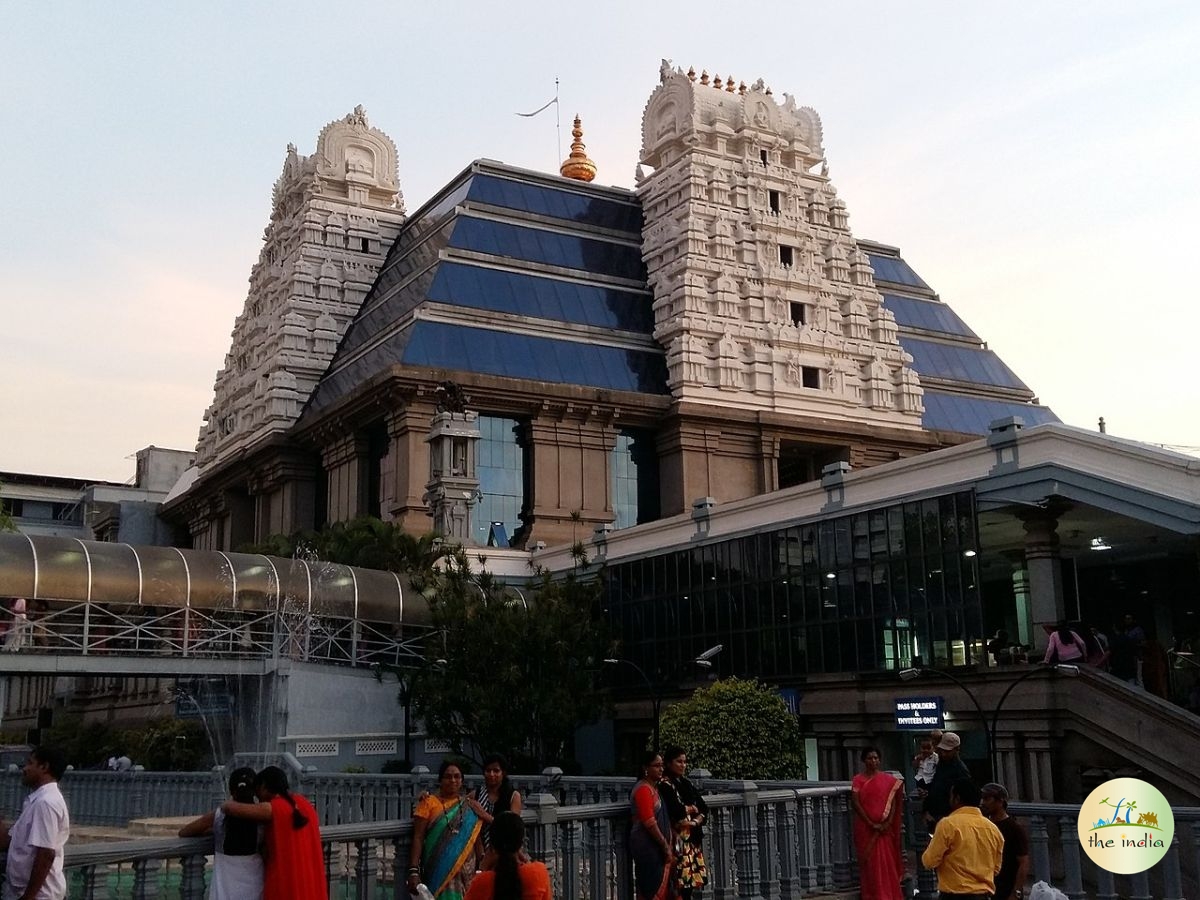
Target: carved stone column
pixel 408 459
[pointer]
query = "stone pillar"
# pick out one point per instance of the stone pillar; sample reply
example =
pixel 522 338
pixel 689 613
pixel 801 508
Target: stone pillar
pixel 345 462
pixel 1043 564
pixel 408 458
pixel 1021 602
pixel 570 488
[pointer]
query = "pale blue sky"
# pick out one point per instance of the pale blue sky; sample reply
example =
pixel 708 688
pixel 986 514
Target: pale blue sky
pixel 1036 164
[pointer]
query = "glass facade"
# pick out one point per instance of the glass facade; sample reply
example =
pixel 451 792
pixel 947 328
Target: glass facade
pixel 867 592
pixel 501 467
pixel 633 466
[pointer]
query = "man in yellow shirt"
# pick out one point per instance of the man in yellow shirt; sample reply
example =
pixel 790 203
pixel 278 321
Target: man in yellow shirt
pixel 966 849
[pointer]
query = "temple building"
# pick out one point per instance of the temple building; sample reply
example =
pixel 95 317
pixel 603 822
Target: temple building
pixel 717 332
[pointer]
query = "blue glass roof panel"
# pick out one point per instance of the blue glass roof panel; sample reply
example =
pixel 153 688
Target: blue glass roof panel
pixel 556 203
pixel 973 415
pixel 928 315
pixel 895 270
pixel 548 247
pixel 954 363
pixel 463 284
pixel 464 348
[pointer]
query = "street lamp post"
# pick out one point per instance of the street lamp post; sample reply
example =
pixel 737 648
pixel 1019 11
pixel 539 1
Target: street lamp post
pixel 990 727
pixel 655 695
pixel 704 661
pixel 1066 669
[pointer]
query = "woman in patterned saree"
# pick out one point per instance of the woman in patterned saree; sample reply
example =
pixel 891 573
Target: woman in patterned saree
pixel 876 797
pixel 445 829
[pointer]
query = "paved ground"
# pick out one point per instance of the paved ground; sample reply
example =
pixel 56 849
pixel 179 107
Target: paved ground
pixel 138 828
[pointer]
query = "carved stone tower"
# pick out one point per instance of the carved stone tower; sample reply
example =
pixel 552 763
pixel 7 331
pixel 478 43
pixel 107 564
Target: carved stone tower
pixel 334 216
pixel 762 298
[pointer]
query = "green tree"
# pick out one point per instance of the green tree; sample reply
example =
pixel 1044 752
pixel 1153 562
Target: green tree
pixel 368 542
pixel 6 519
pixel 737 729
pixel 512 671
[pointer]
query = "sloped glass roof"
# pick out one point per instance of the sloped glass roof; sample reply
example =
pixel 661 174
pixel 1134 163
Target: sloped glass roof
pixel 960 363
pixel 463 348
pixel 551 248
pixel 556 203
pixel 928 315
pixel 973 415
pixel 895 270
pixel 558 299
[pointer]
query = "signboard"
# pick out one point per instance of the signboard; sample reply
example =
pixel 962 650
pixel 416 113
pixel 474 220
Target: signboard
pixel 919 713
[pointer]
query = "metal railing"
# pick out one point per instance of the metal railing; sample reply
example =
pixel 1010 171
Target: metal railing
pixel 93 629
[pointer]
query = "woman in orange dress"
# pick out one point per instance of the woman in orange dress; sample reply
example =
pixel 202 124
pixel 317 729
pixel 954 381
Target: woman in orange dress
pixel 505 875
pixel 876 797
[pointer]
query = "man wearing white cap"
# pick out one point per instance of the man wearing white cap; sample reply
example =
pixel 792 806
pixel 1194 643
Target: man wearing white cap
pixel 950 768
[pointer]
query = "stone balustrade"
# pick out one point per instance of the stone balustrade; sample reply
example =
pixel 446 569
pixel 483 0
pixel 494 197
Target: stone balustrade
pixel 778 843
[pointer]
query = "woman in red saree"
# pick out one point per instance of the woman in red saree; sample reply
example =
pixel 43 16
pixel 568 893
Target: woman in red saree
pixel 877 798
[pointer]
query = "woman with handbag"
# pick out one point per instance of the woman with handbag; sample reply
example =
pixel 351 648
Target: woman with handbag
pixel 688 812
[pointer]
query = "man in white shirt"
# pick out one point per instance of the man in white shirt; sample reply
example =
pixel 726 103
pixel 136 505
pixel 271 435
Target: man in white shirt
pixel 36 840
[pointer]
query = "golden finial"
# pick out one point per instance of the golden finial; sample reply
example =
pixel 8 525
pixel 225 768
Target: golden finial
pixel 729 85
pixel 742 89
pixel 691 73
pixel 577 165
pixel 704 76
pixel 717 82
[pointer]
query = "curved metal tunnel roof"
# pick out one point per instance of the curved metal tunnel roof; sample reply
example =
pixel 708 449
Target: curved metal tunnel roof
pixel 58 568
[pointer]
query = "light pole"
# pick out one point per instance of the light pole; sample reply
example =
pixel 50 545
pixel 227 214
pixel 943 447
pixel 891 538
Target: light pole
pixel 1070 671
pixel 990 727
pixel 910 674
pixel 655 695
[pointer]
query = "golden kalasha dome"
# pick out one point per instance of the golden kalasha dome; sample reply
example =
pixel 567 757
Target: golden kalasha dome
pixel 577 165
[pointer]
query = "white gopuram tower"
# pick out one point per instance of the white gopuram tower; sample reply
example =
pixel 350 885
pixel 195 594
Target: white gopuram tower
pixel 334 216
pixel 762 298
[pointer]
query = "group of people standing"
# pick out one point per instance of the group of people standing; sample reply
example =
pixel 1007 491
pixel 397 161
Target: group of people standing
pixel 471 846
pixel 667 829
pixel 977 849
pixel 266 841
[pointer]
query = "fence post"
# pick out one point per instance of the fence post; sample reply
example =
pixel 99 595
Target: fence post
pixel 843 867
pixel 145 878
pixel 788 846
pixel 1068 836
pixel 540 836
pixel 1172 877
pixel 137 794
pixel 1039 849
pixel 768 851
pixel 720 863
pixel 823 848
pixel 191 883
pixel 745 841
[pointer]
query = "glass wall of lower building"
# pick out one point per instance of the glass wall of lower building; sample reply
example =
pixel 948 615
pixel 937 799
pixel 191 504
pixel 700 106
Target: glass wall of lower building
pixel 501 468
pixel 869 591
